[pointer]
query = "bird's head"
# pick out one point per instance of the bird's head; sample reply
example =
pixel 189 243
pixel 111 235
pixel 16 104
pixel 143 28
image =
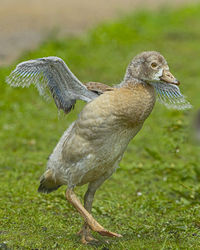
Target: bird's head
pixel 150 67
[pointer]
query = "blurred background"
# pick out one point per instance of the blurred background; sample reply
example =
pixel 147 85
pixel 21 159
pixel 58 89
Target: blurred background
pixel 26 23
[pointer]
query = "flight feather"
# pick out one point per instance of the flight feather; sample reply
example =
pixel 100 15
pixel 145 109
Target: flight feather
pixel 53 78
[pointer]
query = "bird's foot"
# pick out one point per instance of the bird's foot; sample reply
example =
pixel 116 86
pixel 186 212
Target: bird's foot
pixel 95 226
pixel 86 237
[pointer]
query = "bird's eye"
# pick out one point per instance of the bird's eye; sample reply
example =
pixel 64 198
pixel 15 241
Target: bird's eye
pixel 154 65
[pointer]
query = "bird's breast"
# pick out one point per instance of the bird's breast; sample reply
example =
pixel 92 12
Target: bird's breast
pixel 115 111
pixel 134 103
pixel 109 122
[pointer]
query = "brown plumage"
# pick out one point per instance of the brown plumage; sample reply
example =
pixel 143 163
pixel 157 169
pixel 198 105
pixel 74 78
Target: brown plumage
pixel 91 148
pixel 98 87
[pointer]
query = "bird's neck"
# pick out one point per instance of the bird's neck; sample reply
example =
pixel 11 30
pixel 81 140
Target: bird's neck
pixel 132 80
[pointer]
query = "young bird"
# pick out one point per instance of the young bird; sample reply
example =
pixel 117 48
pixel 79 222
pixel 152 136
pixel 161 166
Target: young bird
pixel 92 147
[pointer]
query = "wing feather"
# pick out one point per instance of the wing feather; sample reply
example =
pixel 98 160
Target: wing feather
pixel 52 77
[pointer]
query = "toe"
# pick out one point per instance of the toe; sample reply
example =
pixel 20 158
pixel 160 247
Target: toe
pixel 89 238
pixel 109 233
pixel 84 241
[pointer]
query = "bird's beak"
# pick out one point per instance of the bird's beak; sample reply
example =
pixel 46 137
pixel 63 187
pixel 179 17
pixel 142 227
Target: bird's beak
pixel 168 77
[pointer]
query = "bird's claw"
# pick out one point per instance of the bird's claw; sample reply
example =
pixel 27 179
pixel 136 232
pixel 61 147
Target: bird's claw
pixel 86 237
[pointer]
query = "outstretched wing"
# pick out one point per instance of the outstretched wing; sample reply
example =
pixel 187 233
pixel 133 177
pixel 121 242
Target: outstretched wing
pixel 51 76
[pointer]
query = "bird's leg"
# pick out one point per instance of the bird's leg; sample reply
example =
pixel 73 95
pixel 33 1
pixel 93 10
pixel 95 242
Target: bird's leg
pixel 88 200
pixel 93 224
pixel 89 220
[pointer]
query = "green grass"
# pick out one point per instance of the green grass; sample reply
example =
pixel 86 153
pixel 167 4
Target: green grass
pixel 154 198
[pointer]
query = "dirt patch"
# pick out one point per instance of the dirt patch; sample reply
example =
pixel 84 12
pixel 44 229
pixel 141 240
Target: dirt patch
pixel 25 23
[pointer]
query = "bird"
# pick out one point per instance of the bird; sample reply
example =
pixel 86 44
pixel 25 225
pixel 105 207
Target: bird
pixel 92 147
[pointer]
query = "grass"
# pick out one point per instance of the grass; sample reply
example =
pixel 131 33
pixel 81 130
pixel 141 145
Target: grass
pixel 154 198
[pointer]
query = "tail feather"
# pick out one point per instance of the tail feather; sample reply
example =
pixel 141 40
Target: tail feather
pixel 47 183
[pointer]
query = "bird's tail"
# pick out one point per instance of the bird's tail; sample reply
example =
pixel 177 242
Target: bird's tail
pixel 48 183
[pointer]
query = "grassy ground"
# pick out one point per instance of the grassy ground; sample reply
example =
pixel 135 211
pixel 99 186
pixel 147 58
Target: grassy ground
pixel 153 199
